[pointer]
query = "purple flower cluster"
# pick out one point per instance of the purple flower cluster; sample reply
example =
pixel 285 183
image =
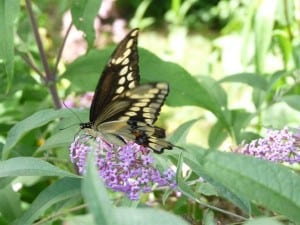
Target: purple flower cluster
pixel 281 146
pixel 129 168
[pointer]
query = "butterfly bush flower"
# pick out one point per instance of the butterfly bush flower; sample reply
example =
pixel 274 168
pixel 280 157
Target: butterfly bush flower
pixel 129 169
pixel 280 146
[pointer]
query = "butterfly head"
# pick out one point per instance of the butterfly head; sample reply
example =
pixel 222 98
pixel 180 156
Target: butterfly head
pixel 85 125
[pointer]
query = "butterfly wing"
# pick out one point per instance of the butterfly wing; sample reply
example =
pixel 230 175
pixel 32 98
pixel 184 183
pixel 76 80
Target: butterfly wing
pixel 132 115
pixel 120 74
pixel 142 103
pixel 123 110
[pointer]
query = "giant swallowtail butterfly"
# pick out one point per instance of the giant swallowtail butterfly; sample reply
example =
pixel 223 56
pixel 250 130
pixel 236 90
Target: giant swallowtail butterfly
pixel 124 110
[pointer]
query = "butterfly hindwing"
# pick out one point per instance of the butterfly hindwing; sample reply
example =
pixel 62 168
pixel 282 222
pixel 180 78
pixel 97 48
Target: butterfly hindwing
pixel 145 102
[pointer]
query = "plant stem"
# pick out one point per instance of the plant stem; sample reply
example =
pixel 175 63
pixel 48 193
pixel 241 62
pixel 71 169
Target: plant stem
pixel 62 48
pixel 50 77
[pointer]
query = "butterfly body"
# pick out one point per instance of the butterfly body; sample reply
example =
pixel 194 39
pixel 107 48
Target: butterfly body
pixel 124 110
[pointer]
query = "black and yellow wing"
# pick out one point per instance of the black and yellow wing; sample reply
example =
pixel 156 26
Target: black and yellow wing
pixel 123 108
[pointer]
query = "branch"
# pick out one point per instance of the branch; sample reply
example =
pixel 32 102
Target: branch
pixel 29 62
pixel 62 48
pixel 50 77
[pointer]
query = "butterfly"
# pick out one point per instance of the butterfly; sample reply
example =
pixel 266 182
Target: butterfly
pixel 124 110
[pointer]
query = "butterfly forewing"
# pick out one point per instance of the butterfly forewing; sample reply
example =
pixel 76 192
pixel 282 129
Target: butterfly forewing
pixel 119 75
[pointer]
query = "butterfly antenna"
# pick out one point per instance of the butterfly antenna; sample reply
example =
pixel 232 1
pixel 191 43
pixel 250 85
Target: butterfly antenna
pixel 72 112
pixel 70 109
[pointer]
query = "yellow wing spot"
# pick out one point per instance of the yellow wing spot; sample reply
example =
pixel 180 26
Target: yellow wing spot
pixel 152 139
pixel 129 76
pixel 130 114
pixel 134 33
pixel 154 105
pixel 125 61
pixel 131 84
pixel 149 121
pixel 135 108
pixel 149 95
pixel 148 115
pixel 140 104
pixel 154 91
pixel 120 90
pixel 164 92
pixel 124 70
pixel 126 53
pixel 118 60
pixel 159 100
pixel 129 43
pixel 122 81
pixel 161 96
pixel 148 110
pixel 162 85
pixel 146 100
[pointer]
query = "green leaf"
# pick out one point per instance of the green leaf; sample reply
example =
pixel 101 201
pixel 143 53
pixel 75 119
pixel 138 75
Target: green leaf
pixel 65 188
pixel 28 166
pixel 95 195
pixel 10 204
pixel 252 79
pixel 218 133
pixel 285 46
pixel 293 101
pixel 62 138
pixel 271 185
pixel 83 16
pixel 221 189
pixel 296 55
pixel 263 28
pixel 9 11
pixel 36 120
pixel 182 131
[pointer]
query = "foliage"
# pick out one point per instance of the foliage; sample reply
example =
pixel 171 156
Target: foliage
pixel 38 184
